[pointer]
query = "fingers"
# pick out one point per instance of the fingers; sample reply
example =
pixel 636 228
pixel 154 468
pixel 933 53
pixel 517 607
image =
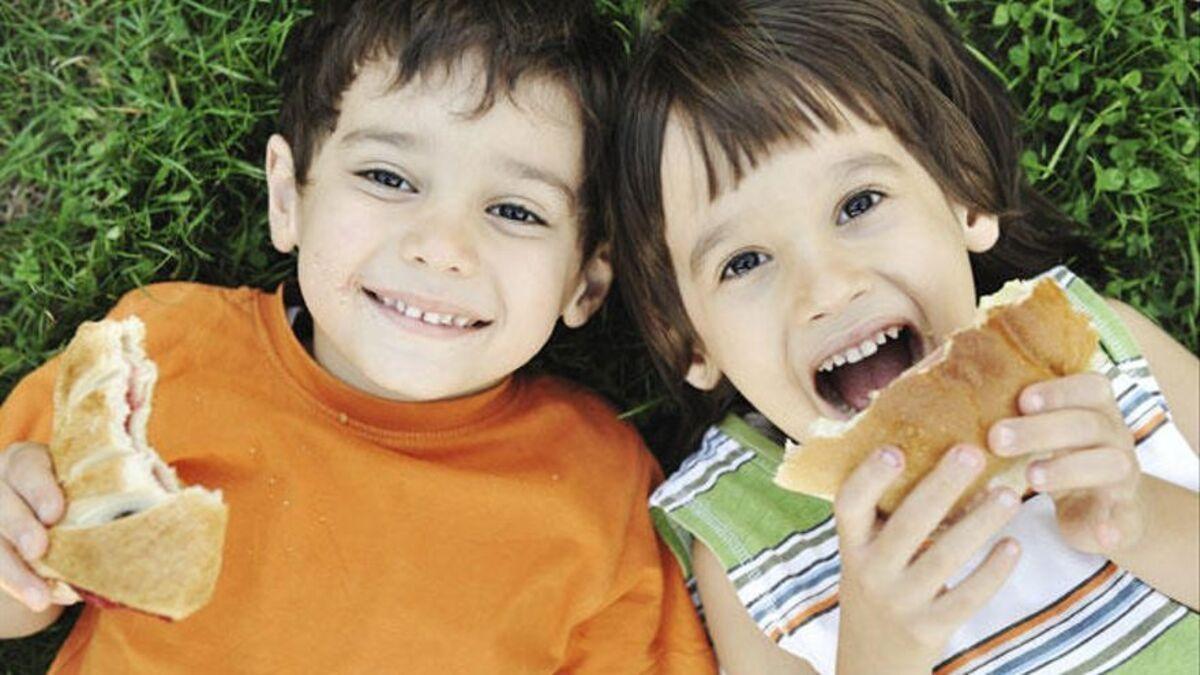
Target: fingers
pixel 30 499
pixel 19 526
pixel 855 506
pixel 1055 430
pixel 17 580
pixel 960 603
pixel 956 546
pixel 928 504
pixel 29 472
pixel 1084 390
pixel 1082 469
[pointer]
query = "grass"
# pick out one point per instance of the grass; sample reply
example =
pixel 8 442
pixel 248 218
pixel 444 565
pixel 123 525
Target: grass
pixel 131 134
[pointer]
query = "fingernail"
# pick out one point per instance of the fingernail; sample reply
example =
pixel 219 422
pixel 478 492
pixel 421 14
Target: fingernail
pixel 36 598
pixel 891 457
pixel 1005 437
pixel 1010 549
pixel 27 541
pixel 968 456
pixel 45 509
pixel 1037 476
pixel 1034 402
pixel 1007 498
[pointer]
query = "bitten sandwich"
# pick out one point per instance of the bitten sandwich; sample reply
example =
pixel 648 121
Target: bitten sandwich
pixel 132 535
pixel 1026 333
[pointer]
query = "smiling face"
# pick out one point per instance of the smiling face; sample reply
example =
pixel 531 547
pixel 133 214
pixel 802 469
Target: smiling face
pixel 437 247
pixel 837 250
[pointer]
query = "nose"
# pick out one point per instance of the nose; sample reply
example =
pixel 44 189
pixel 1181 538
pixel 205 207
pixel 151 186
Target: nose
pixel 442 245
pixel 832 280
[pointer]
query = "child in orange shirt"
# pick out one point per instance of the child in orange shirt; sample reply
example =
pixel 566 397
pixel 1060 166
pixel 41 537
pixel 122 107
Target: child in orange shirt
pixel 400 496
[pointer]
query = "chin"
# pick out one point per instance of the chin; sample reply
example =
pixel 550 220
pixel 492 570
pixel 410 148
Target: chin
pixel 403 389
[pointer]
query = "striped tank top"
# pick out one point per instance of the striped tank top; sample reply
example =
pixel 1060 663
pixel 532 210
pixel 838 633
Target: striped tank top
pixel 1061 611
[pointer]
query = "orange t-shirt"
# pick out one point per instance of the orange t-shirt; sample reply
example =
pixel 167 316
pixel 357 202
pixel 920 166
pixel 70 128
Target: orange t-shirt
pixel 504 532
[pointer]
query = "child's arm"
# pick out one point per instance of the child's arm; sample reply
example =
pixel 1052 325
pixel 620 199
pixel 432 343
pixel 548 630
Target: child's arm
pixel 742 648
pixel 29 501
pixel 1176 369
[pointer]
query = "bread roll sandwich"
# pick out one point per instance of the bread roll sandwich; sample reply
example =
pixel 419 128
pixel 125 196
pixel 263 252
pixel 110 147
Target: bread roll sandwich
pixel 132 535
pixel 1026 333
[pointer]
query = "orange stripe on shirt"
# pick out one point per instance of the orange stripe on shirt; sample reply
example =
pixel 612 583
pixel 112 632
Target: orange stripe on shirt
pixel 1029 624
pixel 777 634
pixel 1146 428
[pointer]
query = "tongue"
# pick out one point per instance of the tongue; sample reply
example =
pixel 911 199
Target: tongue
pixel 856 381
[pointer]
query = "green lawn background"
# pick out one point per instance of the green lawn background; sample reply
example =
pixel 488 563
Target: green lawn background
pixel 132 131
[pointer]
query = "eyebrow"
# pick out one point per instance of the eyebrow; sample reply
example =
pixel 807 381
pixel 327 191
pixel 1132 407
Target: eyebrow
pixel 867 160
pixel 399 139
pixel 708 241
pixel 528 171
pixel 406 141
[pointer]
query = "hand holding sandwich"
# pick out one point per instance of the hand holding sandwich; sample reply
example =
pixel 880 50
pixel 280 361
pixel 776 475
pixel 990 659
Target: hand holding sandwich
pixel 98 515
pixel 1103 502
pixel 30 502
pixel 897 613
pixel 1091 472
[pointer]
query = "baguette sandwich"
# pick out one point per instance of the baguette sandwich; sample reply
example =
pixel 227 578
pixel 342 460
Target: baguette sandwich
pixel 132 535
pixel 1026 333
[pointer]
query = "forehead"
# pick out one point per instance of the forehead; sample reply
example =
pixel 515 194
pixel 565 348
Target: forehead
pixel 538 116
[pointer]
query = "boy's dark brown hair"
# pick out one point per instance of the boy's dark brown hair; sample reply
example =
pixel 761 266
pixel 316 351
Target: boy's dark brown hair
pixel 562 39
pixel 747 75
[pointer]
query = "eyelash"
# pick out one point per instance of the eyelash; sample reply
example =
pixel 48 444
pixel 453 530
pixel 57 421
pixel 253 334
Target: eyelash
pixel 730 269
pixel 388 179
pixel 394 181
pixel 516 213
pixel 874 197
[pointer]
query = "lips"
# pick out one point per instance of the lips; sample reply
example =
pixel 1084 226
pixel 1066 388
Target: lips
pixel 426 313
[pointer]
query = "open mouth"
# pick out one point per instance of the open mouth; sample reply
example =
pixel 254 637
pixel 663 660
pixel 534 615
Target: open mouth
pixel 847 380
pixel 444 320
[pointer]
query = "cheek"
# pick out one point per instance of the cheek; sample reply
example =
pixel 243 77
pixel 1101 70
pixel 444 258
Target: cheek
pixel 745 333
pixel 335 241
pixel 534 278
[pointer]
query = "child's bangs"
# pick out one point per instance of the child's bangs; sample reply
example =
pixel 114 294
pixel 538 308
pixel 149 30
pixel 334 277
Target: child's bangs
pixel 747 84
pixel 735 131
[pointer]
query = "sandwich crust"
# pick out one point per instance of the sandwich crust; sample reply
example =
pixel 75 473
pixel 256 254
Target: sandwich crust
pixel 954 400
pixel 164 560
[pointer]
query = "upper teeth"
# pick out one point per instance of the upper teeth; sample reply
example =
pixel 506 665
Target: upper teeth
pixel 433 318
pixel 861 350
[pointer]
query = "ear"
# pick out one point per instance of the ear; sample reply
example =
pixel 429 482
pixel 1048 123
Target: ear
pixel 595 279
pixel 281 195
pixel 980 230
pixel 702 374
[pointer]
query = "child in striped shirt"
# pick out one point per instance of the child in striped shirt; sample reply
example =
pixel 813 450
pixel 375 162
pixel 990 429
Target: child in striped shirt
pixel 803 176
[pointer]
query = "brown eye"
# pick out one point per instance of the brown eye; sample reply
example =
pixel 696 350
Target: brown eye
pixel 858 204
